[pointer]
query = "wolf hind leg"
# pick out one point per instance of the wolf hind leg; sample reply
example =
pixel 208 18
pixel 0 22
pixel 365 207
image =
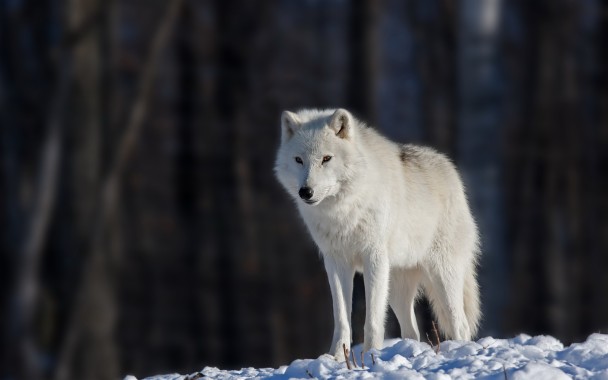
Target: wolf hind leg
pixel 402 297
pixel 445 291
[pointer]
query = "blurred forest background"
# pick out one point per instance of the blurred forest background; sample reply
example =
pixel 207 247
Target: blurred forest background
pixel 142 230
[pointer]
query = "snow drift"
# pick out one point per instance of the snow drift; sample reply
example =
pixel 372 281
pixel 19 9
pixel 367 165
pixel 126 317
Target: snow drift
pixel 523 357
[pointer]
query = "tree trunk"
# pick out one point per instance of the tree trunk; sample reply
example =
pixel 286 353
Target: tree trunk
pixel 597 281
pixel 478 144
pixel 364 56
pixel 95 341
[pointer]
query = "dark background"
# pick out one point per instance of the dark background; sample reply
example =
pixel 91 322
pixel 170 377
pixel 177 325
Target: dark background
pixel 141 227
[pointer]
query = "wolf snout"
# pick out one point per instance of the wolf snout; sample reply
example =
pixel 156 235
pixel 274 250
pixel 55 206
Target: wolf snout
pixel 305 193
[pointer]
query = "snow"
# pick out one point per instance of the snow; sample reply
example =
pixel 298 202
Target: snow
pixel 522 357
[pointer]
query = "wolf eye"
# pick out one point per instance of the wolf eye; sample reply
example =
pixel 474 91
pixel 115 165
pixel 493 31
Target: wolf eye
pixel 299 160
pixel 326 159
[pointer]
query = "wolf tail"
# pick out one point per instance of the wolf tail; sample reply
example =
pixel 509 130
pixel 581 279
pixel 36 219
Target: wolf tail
pixel 472 308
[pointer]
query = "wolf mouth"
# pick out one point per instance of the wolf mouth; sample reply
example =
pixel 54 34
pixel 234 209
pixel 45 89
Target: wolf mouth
pixel 311 202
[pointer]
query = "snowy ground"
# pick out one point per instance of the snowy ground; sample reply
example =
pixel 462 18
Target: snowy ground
pixel 523 357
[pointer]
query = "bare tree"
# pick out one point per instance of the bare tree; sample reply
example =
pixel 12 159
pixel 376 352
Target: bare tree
pixel 91 325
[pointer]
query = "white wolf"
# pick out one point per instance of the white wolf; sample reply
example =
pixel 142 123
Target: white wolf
pixel 397 213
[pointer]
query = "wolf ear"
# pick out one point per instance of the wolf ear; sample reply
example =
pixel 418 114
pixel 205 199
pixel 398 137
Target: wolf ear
pixel 289 123
pixel 342 123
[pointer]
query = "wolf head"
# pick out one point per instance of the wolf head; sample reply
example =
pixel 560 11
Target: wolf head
pixel 318 153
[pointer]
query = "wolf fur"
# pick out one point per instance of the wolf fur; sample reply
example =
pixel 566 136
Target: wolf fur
pixel 396 213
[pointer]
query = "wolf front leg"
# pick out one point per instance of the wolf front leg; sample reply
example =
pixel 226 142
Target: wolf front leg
pixel 376 274
pixel 340 278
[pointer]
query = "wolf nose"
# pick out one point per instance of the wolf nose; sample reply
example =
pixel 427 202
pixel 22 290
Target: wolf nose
pixel 305 193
